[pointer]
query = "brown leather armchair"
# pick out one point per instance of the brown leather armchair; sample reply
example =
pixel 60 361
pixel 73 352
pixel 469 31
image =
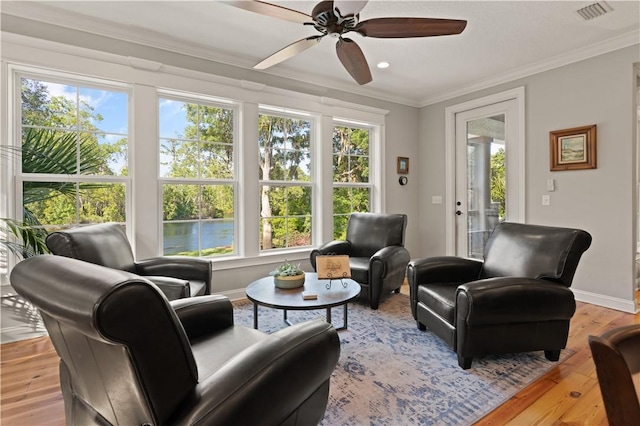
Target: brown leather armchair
pixel 516 300
pixel 128 356
pixel 377 257
pixel 106 244
pixel 616 354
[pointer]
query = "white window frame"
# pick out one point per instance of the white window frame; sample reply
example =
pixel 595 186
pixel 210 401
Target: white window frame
pixel 215 102
pixel 313 126
pixel 15 133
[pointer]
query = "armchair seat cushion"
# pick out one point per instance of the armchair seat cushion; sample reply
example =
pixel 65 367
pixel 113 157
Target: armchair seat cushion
pixel 440 298
pixel 359 269
pixel 517 300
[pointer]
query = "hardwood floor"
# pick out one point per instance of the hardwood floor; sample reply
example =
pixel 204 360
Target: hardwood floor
pixel 567 395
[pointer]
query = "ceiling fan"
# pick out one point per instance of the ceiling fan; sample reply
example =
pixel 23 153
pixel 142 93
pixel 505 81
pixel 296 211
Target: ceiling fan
pixel 338 17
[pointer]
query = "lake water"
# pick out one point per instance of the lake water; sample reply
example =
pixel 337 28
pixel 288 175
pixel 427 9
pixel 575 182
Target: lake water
pixel 183 236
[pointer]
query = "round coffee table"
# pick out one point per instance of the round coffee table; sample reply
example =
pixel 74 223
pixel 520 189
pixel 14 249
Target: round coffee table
pixel 263 292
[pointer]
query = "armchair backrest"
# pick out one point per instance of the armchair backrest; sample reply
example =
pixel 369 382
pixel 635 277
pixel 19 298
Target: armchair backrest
pixel 120 343
pixel 534 251
pixel 369 232
pixel 104 244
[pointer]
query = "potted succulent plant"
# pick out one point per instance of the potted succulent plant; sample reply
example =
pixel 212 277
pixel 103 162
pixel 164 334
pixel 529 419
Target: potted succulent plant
pixel 288 275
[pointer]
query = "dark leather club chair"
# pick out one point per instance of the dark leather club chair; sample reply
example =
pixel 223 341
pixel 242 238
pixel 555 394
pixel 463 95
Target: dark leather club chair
pixel 107 244
pixel 377 257
pixel 516 300
pixel 616 354
pixel 128 356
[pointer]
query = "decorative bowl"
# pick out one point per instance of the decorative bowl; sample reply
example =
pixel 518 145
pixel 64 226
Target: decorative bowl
pixel 292 281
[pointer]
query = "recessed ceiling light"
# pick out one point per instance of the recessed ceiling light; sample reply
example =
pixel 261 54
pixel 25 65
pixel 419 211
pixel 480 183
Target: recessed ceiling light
pixel 383 64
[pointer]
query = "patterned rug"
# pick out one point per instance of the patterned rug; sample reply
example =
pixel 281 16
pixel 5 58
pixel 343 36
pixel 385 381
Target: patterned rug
pixel 390 373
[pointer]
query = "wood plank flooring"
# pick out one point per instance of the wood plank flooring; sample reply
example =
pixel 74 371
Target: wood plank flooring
pixel 567 395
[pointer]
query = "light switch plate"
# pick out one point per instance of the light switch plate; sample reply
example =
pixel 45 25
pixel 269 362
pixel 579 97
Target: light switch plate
pixel 546 200
pixel 436 199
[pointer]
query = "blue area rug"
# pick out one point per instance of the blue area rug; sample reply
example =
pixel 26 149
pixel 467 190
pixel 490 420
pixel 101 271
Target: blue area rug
pixel 390 373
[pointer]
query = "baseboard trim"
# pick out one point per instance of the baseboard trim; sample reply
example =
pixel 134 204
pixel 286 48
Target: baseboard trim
pixel 616 303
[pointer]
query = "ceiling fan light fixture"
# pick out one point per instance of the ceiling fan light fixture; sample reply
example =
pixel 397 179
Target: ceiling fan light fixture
pixel 384 64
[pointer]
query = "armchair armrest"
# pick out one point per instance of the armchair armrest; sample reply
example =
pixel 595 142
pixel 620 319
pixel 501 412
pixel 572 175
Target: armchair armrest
pixel 270 380
pixel 443 269
pixel 203 314
pixel 173 288
pixel 389 259
pixel 504 299
pixel 333 247
pixel 184 267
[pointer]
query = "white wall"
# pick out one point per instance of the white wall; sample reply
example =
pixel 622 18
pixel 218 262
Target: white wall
pixel 599 91
pixel 400 130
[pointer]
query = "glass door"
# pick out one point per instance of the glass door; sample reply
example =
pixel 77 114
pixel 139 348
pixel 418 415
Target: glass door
pixel 483 183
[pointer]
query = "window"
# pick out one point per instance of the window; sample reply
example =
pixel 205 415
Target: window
pixel 284 144
pixel 74 151
pixel 352 185
pixel 197 177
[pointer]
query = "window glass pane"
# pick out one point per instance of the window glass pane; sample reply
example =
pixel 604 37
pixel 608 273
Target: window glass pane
pixel 299 231
pixel 342 201
pixel 103 110
pixel 178 159
pixel 173 118
pixel 102 202
pixel 48 104
pixel 50 151
pixel 216 160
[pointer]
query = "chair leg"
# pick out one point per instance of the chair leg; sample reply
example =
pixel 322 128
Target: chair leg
pixel 421 326
pixel 465 362
pixel 374 305
pixel 552 355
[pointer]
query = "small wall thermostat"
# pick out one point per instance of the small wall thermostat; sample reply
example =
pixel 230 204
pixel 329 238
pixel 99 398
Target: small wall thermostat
pixel 403 180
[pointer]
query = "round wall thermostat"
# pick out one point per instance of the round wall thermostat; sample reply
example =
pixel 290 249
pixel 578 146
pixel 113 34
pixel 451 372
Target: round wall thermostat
pixel 403 180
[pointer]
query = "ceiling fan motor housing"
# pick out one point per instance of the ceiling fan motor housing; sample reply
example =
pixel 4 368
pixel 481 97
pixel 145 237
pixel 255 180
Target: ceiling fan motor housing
pixel 328 22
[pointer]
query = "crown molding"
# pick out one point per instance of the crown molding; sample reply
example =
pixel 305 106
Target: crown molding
pixel 625 40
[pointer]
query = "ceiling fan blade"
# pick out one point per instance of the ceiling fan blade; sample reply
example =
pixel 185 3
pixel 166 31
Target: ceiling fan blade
pixel 273 10
pixel 353 60
pixel 288 52
pixel 349 7
pixel 409 27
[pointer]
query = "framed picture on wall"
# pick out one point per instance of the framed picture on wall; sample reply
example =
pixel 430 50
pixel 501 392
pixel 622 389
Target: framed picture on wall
pixel 573 149
pixel 403 165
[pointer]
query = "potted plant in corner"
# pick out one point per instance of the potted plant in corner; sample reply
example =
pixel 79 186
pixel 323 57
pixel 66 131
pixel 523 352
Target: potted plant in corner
pixel 288 275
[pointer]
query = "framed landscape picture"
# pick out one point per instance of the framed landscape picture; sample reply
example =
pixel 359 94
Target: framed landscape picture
pixel 573 149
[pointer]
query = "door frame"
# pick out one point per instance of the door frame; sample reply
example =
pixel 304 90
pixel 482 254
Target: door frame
pixel 517 94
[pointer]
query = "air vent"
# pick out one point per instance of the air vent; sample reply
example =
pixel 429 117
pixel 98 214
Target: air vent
pixel 594 10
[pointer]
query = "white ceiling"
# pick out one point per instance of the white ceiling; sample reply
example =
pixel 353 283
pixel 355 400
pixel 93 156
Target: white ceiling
pixel 503 40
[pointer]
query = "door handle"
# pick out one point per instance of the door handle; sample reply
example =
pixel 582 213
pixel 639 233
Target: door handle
pixel 458 212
